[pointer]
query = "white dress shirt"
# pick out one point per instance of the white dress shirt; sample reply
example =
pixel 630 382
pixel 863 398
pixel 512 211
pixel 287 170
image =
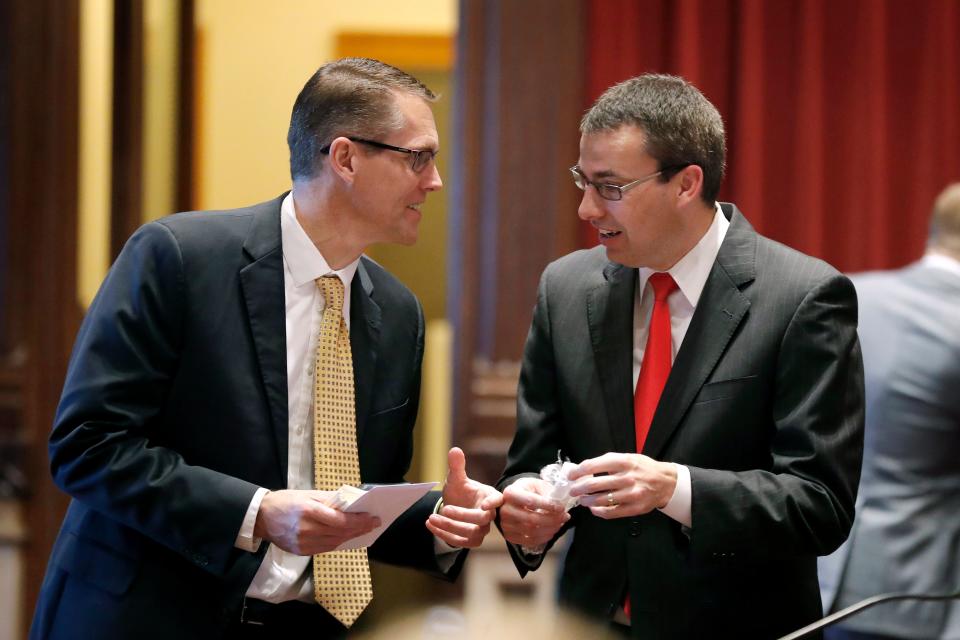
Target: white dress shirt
pixel 282 575
pixel 690 273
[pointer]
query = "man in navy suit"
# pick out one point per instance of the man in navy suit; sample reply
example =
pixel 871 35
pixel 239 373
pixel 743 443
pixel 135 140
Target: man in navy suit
pixel 713 473
pixel 906 536
pixel 184 433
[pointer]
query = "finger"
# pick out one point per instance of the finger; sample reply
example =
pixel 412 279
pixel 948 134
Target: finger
pixel 321 514
pixel 539 532
pixel 607 499
pixel 597 484
pixel 473 516
pixel 455 527
pixel 608 513
pixel 607 463
pixel 455 540
pixel 493 500
pixel 521 519
pixel 530 501
pixel 457 464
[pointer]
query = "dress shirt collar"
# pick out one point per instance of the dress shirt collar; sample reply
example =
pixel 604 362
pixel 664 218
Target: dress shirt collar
pixel 302 257
pixel 692 270
pixel 941 261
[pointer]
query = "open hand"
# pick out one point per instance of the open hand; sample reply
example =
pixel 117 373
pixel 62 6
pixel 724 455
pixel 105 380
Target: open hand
pixel 468 506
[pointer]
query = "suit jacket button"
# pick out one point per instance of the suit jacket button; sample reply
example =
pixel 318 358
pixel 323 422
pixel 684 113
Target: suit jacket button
pixel 634 529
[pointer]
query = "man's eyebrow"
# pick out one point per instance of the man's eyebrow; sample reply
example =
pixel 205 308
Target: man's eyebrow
pixel 606 173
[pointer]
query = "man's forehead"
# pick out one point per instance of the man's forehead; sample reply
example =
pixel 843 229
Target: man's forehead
pixel 419 126
pixel 612 152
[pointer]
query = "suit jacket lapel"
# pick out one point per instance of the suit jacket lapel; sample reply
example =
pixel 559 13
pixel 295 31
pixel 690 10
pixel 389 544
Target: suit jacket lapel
pixel 610 317
pixel 262 285
pixel 364 343
pixel 719 312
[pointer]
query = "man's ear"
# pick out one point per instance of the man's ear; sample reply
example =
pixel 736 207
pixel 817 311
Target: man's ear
pixel 343 159
pixel 689 184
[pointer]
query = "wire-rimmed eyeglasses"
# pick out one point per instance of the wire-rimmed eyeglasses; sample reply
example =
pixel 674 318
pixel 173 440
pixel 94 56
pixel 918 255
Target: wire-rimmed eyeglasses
pixel 419 157
pixel 615 192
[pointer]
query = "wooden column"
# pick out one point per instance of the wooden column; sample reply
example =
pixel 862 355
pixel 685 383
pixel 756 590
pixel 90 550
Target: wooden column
pixel 126 202
pixel 38 185
pixel 513 204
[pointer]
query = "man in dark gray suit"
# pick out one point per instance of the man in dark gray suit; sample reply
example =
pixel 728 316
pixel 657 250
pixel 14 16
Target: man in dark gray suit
pixel 906 536
pixel 185 433
pixel 706 379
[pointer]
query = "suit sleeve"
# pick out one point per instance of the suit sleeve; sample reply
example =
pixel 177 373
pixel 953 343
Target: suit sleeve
pixel 408 542
pixel 104 445
pixel 805 503
pixel 539 434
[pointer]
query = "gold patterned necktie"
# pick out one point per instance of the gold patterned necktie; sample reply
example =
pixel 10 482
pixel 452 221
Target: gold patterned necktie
pixel 341 579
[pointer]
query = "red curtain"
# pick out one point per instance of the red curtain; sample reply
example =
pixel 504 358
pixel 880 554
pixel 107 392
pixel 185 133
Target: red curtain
pixel 842 116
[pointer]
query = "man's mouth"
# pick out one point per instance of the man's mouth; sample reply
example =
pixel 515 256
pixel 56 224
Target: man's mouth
pixel 415 206
pixel 607 233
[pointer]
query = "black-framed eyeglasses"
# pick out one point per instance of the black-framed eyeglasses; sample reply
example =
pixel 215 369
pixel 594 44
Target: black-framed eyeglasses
pixel 615 192
pixel 420 157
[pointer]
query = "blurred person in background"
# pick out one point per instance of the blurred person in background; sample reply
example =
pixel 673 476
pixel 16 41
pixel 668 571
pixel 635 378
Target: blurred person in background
pixel 906 536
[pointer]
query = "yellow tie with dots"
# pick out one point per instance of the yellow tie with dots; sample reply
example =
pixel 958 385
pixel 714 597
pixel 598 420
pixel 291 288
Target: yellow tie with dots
pixel 341 579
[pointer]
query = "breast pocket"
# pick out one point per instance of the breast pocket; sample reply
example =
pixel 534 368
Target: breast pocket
pixel 726 389
pixel 395 407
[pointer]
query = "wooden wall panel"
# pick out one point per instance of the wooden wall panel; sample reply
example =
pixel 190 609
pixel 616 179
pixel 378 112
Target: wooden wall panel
pixel 519 101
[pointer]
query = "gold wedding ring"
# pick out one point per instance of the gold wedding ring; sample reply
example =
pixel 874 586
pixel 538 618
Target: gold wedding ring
pixel 610 500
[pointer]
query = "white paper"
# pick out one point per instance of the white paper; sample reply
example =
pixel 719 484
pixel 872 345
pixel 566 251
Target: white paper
pixel 387 502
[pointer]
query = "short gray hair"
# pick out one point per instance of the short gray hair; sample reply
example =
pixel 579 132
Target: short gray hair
pixel 352 97
pixel 680 125
pixel 945 221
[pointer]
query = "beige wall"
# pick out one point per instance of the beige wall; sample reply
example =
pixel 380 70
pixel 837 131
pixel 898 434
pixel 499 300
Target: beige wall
pixel 96 91
pixel 254 57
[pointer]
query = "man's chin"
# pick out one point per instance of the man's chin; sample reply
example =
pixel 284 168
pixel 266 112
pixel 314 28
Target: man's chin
pixel 622 257
pixel 407 239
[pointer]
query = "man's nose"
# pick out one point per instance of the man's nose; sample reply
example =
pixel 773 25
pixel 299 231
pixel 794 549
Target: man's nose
pixel 589 208
pixel 431 178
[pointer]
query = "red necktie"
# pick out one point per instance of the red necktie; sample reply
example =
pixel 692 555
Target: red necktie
pixel 656 358
pixel 655 367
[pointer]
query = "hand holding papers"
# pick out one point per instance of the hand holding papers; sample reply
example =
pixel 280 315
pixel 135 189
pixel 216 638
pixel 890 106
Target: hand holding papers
pixel 385 501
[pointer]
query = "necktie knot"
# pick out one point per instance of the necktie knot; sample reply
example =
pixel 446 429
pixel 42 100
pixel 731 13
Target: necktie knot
pixel 332 288
pixel 663 285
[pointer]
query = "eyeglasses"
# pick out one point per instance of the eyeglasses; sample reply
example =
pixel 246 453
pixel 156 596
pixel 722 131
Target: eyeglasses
pixel 420 157
pixel 615 191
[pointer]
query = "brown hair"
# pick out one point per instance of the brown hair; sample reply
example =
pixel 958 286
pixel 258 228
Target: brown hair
pixel 351 97
pixel 681 127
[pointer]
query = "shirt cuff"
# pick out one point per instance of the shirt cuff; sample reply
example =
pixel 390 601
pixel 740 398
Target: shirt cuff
pixel 246 541
pixel 679 506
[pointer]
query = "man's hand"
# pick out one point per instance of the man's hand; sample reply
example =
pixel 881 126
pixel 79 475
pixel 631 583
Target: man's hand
pixel 528 517
pixel 301 522
pixel 630 484
pixel 468 506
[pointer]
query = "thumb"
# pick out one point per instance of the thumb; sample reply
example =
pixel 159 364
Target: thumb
pixel 457 462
